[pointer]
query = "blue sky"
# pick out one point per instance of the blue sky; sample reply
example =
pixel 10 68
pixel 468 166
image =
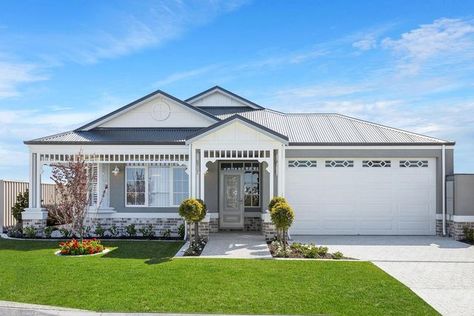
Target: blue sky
pixel 407 64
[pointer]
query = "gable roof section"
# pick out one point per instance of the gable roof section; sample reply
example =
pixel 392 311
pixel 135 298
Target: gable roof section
pixel 137 102
pixel 333 129
pixel 228 93
pixel 265 130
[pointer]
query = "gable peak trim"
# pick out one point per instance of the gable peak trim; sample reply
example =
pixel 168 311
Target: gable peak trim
pixel 226 92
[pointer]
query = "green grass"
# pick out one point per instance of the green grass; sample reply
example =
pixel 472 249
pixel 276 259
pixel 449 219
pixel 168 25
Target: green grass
pixel 142 277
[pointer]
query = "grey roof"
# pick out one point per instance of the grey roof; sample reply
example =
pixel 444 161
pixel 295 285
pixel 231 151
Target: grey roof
pixel 113 136
pixel 332 129
pixel 297 128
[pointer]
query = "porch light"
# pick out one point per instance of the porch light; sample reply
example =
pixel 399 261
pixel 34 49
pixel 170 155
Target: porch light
pixel 115 171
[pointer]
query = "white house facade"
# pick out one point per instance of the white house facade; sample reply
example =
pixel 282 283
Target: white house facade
pixel 341 175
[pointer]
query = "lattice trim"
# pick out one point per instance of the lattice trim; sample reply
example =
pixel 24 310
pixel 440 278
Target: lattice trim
pixel 115 157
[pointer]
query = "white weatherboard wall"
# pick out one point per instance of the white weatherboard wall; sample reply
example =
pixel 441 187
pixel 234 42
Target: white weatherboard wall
pixel 361 200
pixel 218 99
pixel 159 112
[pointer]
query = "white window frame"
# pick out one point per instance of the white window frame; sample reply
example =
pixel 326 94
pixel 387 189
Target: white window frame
pixel 170 185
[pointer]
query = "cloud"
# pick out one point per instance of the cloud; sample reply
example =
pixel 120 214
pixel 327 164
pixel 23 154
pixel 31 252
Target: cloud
pixel 14 74
pixel 445 41
pixel 366 43
pixel 184 75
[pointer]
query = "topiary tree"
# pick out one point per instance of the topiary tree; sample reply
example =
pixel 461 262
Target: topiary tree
pixel 282 216
pixel 19 206
pixel 275 200
pixel 193 211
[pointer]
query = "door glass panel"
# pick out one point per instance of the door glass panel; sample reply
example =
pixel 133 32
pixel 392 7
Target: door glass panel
pixel 231 194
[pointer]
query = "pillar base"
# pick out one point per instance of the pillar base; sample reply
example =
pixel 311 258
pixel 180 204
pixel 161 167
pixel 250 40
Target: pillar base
pixel 36 218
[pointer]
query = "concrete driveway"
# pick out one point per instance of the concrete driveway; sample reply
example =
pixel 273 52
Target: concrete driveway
pixel 440 270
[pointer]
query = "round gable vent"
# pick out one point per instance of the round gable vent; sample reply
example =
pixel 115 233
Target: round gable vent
pixel 161 111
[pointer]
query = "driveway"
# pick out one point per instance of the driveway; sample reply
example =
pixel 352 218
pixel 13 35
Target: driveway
pixel 440 270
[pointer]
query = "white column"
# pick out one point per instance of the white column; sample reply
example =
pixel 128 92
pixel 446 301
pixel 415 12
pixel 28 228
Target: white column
pixel 203 171
pixel 31 180
pixel 39 169
pixel 192 174
pixel 281 170
pixel 271 170
pixel 103 179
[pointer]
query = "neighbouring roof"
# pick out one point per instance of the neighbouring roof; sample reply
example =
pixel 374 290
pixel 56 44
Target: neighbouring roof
pixel 296 128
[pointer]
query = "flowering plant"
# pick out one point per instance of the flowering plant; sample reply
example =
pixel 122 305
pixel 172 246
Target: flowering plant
pixel 85 247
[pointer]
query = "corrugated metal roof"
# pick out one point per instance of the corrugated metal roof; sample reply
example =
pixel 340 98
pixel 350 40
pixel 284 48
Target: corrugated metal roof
pixel 120 136
pixel 300 128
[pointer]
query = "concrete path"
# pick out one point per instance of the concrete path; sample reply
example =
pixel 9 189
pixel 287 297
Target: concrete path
pixel 22 309
pixel 245 245
pixel 439 270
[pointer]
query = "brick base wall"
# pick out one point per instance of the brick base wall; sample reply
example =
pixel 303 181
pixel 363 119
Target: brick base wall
pixel 160 225
pixel 253 224
pixel 213 225
pixel 269 230
pixel 204 228
pixel 453 229
pixel 38 224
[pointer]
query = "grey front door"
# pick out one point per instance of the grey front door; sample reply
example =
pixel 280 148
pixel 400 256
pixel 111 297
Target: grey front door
pixel 231 200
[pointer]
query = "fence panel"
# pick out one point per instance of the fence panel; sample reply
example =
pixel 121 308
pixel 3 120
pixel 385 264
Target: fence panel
pixel 8 193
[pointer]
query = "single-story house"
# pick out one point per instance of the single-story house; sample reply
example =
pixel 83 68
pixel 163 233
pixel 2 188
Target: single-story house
pixel 342 175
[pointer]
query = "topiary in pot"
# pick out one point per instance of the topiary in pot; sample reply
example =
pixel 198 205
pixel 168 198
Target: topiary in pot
pixel 282 216
pixel 193 211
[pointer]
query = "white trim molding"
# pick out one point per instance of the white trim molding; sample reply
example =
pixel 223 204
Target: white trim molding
pixel 457 218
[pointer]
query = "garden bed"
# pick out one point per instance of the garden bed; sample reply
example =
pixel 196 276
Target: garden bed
pixel 195 249
pixel 299 250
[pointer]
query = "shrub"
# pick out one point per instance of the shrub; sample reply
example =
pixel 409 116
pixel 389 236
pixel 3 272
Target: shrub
pixel 181 231
pixel 77 248
pixel 20 205
pixel 275 200
pixel 99 230
pixel 468 233
pixel 15 232
pixel 147 231
pixel 193 211
pixel 65 232
pixel 338 255
pixel 131 230
pixel 195 248
pixel 29 232
pixel 48 230
pixel 114 231
pixel 280 250
pixel 86 231
pixel 166 233
pixel 282 217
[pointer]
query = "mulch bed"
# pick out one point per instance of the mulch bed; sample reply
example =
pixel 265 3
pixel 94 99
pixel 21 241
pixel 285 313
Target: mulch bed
pixel 298 253
pixel 195 249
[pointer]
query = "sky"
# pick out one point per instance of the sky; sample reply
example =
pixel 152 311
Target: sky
pixel 406 64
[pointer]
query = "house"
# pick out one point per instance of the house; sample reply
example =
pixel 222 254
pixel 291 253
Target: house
pixel 342 175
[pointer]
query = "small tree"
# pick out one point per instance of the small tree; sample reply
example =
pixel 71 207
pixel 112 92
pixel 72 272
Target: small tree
pixel 73 188
pixel 275 200
pixel 282 216
pixel 19 206
pixel 193 211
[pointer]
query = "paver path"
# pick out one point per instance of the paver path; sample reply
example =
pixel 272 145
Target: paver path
pixel 440 270
pixel 246 245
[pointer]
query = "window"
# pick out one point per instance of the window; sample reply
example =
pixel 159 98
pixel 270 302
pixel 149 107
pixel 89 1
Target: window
pixel 302 163
pixel 376 163
pixel 413 163
pixel 251 188
pixel 156 186
pixel 135 184
pixel 92 178
pixel 339 163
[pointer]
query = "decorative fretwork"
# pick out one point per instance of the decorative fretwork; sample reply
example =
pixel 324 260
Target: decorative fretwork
pixel 339 163
pixel 376 163
pixel 124 158
pixel 237 154
pixel 302 163
pixel 413 163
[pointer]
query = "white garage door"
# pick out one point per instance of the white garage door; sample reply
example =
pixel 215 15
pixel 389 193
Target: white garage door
pixel 362 196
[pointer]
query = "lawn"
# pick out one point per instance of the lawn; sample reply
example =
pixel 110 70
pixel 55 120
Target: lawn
pixel 142 277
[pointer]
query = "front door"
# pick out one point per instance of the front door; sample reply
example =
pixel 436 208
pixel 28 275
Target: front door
pixel 231 200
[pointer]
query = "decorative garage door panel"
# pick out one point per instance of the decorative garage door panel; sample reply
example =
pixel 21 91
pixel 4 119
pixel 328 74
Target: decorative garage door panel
pixel 363 196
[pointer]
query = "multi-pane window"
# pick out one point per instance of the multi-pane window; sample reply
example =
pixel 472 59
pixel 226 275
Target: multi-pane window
pixel 156 186
pixel 180 185
pixel 136 186
pixel 252 188
pixel 302 163
pixel 376 163
pixel 339 163
pixel 413 163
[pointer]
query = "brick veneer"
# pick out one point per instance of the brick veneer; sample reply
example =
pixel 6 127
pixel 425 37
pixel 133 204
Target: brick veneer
pixel 453 229
pixel 253 224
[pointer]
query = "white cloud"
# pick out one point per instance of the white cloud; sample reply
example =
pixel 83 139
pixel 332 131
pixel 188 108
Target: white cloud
pixel 445 41
pixel 184 75
pixel 14 74
pixel 366 43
